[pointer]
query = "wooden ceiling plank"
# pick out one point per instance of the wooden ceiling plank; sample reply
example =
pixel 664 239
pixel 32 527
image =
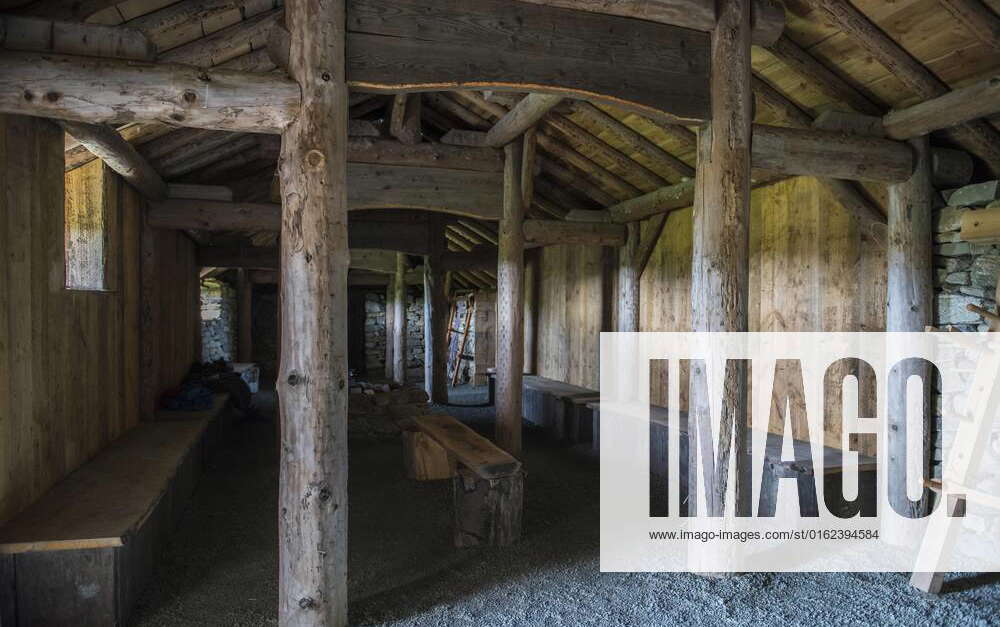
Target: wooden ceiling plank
pixel 978 18
pixel 977 136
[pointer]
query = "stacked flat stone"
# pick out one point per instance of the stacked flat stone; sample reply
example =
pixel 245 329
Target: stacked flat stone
pixel 218 320
pixel 964 273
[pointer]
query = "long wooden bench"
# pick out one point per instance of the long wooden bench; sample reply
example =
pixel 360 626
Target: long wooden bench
pixel 487 482
pixel 774 469
pixel 82 553
pixel 561 408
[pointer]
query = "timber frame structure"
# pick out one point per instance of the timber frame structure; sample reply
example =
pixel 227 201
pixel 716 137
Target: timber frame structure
pixel 318 137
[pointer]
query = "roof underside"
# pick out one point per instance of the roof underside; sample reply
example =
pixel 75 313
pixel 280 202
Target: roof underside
pixel 584 162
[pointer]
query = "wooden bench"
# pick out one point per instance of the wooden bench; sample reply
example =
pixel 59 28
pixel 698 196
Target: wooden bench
pixel 82 553
pixel 562 408
pixel 487 482
pixel 774 469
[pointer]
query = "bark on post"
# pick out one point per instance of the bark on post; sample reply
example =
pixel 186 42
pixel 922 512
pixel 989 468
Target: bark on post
pixel 510 302
pixel 909 308
pixel 628 281
pixel 435 315
pixel 312 386
pixel 720 268
pixel 399 321
pixel 244 336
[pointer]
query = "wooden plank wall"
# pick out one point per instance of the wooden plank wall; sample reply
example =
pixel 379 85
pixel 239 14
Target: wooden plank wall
pixel 571 313
pixel 806 257
pixel 72 356
pixel 177 297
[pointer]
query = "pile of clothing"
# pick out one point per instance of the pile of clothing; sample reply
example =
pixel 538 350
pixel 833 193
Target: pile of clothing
pixel 202 381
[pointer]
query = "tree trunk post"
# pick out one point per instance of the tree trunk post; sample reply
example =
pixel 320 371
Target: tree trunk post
pixel 721 258
pixel 390 323
pixel 510 303
pixel 399 321
pixel 628 281
pixel 531 263
pixel 435 314
pixel 313 380
pixel 909 308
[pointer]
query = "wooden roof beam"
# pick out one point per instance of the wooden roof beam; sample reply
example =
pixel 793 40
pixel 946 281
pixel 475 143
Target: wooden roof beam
pixel 225 44
pixel 978 18
pixel 976 136
pixel 768 17
pixel 978 100
pixel 523 116
pixel 620 61
pixel 814 72
pixel 555 232
pixel 120 156
pixel 633 140
pixel 62 87
pixel 33 34
pixel 404 120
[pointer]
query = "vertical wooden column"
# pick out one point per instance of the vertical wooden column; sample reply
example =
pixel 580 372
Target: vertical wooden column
pixel 390 291
pixel 435 315
pixel 909 305
pixel 531 261
pixel 149 322
pixel 510 303
pixel 531 258
pixel 628 281
pixel 721 232
pixel 313 380
pixel 399 329
pixel 244 312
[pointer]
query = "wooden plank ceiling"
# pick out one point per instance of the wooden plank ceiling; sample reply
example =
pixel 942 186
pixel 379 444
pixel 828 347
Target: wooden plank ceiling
pixel 589 156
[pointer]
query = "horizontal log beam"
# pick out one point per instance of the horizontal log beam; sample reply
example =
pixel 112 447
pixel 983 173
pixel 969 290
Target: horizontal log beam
pixel 390 152
pixel 458 192
pixel 480 258
pixel 354 277
pixel 206 215
pixel 828 154
pixel 978 100
pixel 981 226
pixel 110 91
pixel 555 232
pixel 374 260
pixel 119 155
pixel 264 260
pixel 32 34
pixel 663 200
pixel 396 46
pixel 214 215
pixel 768 17
pixel 255 257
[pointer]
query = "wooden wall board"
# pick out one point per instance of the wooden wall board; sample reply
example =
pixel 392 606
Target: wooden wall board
pixel 70 357
pixel 571 308
pixel 806 255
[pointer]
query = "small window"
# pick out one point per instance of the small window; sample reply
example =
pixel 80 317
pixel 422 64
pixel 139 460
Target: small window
pixel 86 228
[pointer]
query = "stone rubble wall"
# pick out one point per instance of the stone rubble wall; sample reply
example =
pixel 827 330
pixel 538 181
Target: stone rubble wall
pixel 965 273
pixel 375 330
pixel 218 320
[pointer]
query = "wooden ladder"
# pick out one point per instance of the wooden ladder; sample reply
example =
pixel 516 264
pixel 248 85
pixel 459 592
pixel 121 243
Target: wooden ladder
pixel 455 356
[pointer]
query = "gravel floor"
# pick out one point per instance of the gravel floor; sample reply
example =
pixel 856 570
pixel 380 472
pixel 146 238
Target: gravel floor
pixel 221 567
